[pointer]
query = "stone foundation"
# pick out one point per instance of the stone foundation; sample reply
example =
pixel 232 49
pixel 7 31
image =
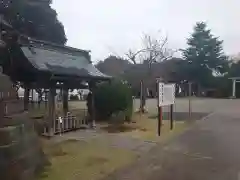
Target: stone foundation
pixel 20 150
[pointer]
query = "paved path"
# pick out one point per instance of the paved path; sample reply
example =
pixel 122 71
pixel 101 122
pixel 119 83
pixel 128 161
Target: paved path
pixel 210 150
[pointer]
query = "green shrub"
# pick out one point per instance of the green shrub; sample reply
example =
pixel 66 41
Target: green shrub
pixel 113 98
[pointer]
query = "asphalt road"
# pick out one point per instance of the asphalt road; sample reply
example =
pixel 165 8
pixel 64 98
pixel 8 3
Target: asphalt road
pixel 209 150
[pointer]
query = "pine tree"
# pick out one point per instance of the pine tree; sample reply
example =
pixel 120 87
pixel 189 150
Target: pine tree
pixel 204 55
pixel 34 18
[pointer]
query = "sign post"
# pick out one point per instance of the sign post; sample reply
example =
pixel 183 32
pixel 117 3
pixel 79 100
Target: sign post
pixel 166 96
pixel 160 101
pixel 171 116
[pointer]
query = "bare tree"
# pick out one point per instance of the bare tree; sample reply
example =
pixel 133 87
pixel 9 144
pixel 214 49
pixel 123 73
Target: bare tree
pixel 132 56
pixel 153 50
pixel 156 50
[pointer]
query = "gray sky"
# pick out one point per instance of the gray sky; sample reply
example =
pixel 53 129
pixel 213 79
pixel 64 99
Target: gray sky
pixel 114 26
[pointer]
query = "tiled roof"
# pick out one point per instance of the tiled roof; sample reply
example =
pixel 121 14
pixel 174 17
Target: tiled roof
pixel 62 61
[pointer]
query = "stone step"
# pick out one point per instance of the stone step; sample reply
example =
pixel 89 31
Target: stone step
pixel 10 134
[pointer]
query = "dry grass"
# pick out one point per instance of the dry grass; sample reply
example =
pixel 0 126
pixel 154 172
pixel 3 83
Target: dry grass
pixel 146 129
pixel 74 160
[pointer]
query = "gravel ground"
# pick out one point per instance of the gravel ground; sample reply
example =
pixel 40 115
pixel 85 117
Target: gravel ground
pixel 209 150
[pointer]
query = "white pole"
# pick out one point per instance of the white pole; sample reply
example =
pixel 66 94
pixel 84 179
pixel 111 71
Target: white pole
pixel 234 89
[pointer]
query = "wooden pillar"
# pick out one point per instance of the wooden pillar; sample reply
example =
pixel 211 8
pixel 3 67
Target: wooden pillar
pixel 159 104
pixel 46 98
pixel 26 97
pixel 92 86
pixel 1 112
pixel 190 100
pixel 65 99
pixel 32 99
pixel 51 111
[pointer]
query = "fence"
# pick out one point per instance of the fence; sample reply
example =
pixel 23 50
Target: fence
pixel 68 123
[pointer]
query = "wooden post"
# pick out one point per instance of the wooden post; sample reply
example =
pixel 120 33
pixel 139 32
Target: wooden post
pixel 190 100
pixel 26 97
pixel 93 113
pixel 160 116
pixel 171 116
pixel 141 97
pixel 65 99
pixel 39 100
pixel 160 113
pixel 51 107
pixel 32 99
pixel 46 98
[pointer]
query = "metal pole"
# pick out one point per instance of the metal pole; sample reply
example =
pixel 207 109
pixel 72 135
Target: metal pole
pixel 234 89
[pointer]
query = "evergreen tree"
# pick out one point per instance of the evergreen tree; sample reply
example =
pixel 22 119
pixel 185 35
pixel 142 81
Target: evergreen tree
pixel 34 18
pixel 204 55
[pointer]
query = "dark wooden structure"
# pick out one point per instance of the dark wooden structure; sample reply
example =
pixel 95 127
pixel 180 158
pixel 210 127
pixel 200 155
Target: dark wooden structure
pixel 9 103
pixel 40 64
pixel 20 152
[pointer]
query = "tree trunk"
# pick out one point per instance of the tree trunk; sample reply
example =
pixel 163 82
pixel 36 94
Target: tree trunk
pixel 142 97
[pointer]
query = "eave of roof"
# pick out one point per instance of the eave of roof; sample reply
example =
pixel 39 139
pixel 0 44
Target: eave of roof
pixel 61 61
pixel 234 78
pixel 28 41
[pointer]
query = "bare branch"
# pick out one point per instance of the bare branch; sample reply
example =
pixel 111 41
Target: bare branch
pixel 133 55
pixel 157 50
pixel 153 50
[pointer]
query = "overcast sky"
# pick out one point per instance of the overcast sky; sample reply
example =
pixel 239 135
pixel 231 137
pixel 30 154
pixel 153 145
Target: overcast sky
pixel 114 26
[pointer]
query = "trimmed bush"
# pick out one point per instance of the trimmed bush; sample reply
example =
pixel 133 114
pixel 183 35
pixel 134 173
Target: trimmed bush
pixel 112 99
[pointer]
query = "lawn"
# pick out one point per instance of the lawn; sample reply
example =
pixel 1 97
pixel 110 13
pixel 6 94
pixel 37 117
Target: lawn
pixel 93 159
pixel 145 128
pixel 74 160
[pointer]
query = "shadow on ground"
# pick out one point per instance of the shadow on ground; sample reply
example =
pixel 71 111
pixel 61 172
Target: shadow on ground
pixel 182 116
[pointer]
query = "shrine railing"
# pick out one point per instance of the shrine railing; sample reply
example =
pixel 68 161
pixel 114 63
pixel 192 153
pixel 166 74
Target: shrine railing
pixel 68 123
